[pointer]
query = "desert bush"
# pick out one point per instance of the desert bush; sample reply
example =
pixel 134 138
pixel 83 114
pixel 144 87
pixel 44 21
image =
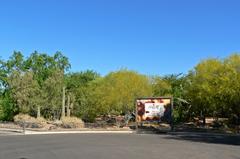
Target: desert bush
pixel 72 122
pixel 30 122
pixel 57 123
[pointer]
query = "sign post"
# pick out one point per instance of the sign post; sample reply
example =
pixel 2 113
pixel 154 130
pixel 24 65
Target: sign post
pixel 136 118
pixel 154 109
pixel 172 117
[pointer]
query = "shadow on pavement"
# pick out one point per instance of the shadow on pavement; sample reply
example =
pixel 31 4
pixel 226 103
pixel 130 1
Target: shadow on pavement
pixel 214 138
pixel 194 135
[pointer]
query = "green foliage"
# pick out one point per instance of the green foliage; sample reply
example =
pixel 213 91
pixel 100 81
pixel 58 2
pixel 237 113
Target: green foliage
pixel 31 83
pixel 214 87
pixel 44 65
pixel 161 87
pixel 79 90
pixel 35 83
pixel 52 94
pixel 116 92
pixel 80 79
pixel 24 89
pixel 203 88
pixel 173 85
pixel 7 107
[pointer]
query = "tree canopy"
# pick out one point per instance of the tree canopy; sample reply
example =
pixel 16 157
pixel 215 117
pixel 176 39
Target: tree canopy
pixel 37 84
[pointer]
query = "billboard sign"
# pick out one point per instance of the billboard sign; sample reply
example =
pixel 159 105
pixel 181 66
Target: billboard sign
pixel 154 109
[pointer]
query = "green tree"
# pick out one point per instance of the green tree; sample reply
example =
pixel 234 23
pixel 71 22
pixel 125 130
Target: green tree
pixel 7 106
pixel 43 65
pixel 161 87
pixel 116 92
pixel 173 85
pixel 25 91
pixel 203 92
pixel 32 72
pixel 230 88
pixel 52 93
pixel 78 92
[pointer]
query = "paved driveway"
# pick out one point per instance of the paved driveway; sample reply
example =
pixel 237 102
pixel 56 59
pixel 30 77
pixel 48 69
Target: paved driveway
pixel 115 146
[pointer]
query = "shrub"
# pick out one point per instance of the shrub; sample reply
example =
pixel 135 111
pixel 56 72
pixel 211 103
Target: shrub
pixel 30 122
pixel 72 122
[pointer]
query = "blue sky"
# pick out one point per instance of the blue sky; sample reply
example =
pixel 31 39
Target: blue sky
pixel 150 36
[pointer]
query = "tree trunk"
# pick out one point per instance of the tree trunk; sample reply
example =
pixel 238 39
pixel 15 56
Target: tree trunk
pixel 204 120
pixel 68 106
pixel 71 108
pixel 38 112
pixel 72 104
pixel 63 103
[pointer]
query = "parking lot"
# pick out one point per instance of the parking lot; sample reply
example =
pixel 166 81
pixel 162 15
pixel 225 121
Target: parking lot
pixel 119 146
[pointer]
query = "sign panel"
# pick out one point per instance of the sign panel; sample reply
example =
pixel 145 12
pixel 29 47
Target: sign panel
pixel 154 109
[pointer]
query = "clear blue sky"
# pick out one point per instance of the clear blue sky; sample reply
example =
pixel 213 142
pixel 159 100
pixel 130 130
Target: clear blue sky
pixel 149 36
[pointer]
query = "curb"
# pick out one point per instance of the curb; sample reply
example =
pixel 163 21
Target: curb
pixel 11 130
pixel 77 132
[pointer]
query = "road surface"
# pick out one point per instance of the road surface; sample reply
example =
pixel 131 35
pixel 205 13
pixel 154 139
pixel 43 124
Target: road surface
pixel 119 146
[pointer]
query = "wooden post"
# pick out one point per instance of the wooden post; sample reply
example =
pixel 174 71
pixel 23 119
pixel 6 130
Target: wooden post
pixel 63 103
pixel 172 117
pixel 136 115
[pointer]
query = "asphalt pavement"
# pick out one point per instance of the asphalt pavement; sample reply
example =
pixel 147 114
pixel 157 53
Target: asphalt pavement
pixel 118 146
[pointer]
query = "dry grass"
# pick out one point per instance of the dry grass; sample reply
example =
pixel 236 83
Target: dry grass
pixel 30 122
pixel 72 122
